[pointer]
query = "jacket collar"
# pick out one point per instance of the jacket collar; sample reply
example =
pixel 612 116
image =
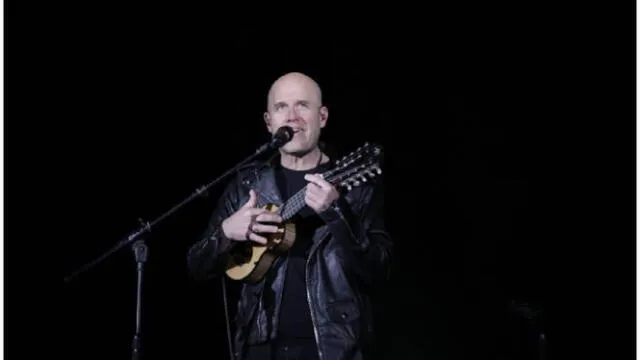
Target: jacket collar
pixel 262 180
pixel 267 189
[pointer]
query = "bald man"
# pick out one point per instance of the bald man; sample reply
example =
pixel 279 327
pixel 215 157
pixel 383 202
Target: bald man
pixel 317 300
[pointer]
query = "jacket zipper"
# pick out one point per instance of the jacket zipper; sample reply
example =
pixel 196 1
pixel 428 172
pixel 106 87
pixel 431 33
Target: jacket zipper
pixel 311 309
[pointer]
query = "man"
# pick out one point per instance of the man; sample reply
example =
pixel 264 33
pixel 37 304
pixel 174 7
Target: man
pixel 316 301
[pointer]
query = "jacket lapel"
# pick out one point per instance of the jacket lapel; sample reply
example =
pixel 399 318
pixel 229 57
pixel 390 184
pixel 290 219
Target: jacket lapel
pixel 267 189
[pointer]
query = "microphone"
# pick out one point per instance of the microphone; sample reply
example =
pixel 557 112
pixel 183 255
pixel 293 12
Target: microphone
pixel 282 136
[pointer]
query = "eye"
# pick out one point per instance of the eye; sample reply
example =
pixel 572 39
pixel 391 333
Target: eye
pixel 303 104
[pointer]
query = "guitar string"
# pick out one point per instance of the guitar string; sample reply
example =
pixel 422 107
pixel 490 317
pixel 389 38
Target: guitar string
pixel 295 201
pixel 292 205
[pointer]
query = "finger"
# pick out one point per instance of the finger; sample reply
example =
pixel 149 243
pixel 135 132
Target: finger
pixel 269 217
pixel 262 228
pixel 317 180
pixel 257 238
pixel 315 193
pixel 254 212
pixel 313 196
pixel 252 200
pixel 313 188
pixel 311 200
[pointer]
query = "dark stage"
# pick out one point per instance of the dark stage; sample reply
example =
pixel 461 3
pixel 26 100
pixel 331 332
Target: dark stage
pixel 161 110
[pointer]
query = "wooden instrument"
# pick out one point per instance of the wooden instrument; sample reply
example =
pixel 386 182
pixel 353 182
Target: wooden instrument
pixel 250 261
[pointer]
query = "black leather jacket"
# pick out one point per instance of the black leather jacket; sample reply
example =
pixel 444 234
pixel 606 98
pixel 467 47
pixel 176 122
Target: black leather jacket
pixel 346 266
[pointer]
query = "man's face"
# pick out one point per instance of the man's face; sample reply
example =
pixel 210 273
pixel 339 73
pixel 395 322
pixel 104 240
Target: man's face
pixel 296 102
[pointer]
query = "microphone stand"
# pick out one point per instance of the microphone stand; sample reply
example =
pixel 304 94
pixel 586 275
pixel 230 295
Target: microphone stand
pixel 140 248
pixel 532 315
pixel 141 252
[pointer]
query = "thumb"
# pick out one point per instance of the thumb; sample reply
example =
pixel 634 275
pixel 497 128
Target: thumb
pixel 252 200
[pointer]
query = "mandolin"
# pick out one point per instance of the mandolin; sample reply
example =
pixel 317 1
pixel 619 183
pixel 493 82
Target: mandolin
pixel 250 261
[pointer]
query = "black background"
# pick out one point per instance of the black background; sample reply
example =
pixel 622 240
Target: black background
pixel 482 119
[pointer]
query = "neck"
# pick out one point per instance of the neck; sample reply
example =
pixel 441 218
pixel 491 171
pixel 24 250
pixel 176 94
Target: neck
pixel 302 162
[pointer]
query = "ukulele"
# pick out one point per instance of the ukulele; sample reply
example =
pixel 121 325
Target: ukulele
pixel 250 261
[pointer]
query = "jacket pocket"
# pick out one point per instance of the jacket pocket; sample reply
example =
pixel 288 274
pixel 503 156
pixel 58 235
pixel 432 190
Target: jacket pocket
pixel 343 311
pixel 345 319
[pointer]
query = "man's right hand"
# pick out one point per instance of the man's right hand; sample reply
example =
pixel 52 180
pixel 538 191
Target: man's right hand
pixel 246 223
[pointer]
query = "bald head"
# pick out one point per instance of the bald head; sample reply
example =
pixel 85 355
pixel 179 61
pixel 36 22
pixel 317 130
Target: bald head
pixel 295 80
pixel 295 99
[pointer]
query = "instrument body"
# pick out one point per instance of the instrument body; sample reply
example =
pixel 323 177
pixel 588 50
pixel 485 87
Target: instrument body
pixel 249 261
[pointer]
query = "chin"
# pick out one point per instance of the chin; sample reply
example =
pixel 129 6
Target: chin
pixel 295 149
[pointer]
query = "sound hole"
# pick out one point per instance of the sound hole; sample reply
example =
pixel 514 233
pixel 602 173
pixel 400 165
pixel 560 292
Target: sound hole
pixel 241 253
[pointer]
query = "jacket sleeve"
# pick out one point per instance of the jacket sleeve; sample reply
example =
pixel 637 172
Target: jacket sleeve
pixel 207 257
pixel 363 230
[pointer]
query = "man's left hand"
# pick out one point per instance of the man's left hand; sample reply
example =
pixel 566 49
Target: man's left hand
pixel 319 194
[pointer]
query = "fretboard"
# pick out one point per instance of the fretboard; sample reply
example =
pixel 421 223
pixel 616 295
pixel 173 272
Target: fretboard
pixel 293 205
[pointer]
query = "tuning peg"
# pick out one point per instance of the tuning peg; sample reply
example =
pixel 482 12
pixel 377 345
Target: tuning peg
pixel 363 178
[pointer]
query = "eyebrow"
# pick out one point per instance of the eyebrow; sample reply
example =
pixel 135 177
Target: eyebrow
pixel 299 102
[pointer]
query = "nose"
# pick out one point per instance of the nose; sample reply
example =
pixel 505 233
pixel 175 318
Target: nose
pixel 292 116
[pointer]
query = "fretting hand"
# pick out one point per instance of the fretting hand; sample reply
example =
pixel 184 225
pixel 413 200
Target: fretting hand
pixel 246 223
pixel 320 194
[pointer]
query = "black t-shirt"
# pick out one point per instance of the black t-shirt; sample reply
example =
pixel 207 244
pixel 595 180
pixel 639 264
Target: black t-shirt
pixel 295 317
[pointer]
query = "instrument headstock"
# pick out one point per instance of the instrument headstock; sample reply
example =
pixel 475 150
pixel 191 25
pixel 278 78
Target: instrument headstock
pixel 358 167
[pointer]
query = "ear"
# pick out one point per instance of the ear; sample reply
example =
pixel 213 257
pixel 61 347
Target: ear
pixel 267 120
pixel 324 115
